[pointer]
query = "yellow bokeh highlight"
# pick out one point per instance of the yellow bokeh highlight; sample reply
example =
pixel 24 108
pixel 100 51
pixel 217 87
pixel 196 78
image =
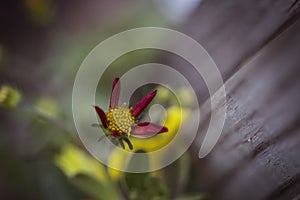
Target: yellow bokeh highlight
pixel 116 159
pixel 175 116
pixel 48 107
pixel 9 97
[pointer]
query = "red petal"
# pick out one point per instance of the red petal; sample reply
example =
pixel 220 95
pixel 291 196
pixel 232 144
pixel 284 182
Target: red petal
pixel 147 128
pixel 102 116
pixel 115 134
pixel 139 107
pixel 115 93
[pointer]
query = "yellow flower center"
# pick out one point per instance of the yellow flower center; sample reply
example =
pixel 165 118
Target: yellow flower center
pixel 120 119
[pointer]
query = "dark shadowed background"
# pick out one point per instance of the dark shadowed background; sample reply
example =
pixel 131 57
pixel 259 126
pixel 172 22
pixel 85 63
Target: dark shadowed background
pixel 255 45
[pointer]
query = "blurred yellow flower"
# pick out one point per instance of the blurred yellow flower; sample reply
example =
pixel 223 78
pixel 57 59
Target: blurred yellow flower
pixel 72 161
pixel 175 116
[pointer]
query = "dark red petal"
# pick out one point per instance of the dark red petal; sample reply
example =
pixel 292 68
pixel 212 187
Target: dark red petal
pixel 115 93
pixel 147 128
pixel 102 116
pixel 115 134
pixel 140 106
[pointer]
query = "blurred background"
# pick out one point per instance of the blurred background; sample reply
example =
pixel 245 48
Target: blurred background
pixel 42 44
pixel 255 46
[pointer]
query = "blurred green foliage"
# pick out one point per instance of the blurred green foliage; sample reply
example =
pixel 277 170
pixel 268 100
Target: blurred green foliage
pixel 40 11
pixel 88 175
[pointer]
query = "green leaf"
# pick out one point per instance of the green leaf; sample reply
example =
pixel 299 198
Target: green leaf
pixel 106 131
pixel 121 143
pixel 192 197
pixel 125 138
pixel 143 185
pixel 156 186
pixel 94 188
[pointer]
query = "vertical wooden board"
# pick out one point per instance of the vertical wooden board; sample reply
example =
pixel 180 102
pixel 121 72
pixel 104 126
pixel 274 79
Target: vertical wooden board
pixel 257 154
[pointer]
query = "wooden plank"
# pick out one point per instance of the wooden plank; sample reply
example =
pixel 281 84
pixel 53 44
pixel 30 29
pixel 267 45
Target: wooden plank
pixel 232 31
pixel 257 156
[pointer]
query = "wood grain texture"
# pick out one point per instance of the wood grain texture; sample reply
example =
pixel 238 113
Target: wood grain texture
pixel 233 31
pixel 257 156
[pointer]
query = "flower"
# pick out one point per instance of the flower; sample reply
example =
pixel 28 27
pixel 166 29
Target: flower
pixel 120 121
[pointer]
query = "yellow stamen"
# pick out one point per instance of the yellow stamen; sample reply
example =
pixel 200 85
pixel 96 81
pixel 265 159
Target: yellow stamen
pixel 120 119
